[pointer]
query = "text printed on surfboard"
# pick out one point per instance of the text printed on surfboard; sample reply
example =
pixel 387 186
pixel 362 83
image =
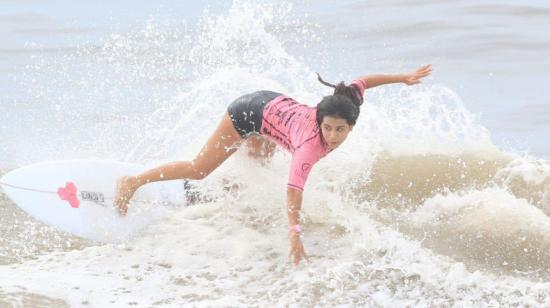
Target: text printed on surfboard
pixel 92 196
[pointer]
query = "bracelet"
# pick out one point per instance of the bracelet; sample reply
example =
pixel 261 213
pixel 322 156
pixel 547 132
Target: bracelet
pixel 296 228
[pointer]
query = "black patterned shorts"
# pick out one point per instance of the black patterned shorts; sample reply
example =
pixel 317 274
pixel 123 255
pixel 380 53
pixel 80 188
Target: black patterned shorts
pixel 246 111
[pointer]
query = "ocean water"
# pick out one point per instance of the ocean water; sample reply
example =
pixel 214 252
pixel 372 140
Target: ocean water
pixel 440 196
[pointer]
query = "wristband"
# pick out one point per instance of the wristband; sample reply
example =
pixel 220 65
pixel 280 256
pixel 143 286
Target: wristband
pixel 296 228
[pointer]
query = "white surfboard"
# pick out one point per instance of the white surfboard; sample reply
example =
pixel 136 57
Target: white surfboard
pixel 77 196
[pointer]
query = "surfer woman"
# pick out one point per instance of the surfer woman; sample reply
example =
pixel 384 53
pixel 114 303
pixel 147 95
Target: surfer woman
pixel 308 133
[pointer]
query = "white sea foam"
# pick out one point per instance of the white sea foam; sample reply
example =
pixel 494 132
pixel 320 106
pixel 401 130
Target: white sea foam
pixel 417 208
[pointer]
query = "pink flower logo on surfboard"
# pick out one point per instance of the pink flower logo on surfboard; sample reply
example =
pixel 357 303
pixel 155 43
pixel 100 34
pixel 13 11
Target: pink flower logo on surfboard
pixel 69 193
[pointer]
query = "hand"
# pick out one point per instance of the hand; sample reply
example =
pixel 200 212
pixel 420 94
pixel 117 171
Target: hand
pixel 414 77
pixel 296 249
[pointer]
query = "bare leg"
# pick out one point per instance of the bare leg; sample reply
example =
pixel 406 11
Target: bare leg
pixel 260 148
pixel 221 144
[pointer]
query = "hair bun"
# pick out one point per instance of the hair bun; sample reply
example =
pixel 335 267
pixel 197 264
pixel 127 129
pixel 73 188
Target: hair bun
pixel 342 89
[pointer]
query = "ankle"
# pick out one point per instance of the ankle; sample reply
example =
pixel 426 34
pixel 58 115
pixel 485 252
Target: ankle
pixel 133 181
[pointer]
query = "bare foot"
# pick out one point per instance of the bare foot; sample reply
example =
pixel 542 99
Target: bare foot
pixel 126 187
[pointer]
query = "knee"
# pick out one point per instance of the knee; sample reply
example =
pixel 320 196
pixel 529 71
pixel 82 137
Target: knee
pixel 257 147
pixel 201 175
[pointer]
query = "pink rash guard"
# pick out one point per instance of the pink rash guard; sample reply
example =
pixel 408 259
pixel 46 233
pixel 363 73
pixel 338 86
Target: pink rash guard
pixel 294 126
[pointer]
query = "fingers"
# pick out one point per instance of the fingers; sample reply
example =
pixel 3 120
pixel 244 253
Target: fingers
pixel 424 70
pixel 297 252
pixel 415 77
pixel 422 74
pixel 419 74
pixel 294 256
pixel 297 255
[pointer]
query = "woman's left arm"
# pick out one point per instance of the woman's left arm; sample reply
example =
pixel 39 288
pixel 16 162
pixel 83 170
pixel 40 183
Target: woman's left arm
pixel 407 78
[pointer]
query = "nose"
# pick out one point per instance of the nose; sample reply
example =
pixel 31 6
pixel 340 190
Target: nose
pixel 332 137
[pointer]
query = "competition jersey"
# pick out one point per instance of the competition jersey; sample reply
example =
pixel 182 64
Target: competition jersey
pixel 294 126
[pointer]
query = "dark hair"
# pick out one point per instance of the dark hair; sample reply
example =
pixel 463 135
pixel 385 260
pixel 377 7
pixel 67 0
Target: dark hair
pixel 343 103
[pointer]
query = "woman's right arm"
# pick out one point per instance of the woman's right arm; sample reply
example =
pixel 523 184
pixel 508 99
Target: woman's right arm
pixel 294 200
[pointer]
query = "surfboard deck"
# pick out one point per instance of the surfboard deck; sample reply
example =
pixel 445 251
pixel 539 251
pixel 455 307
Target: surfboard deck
pixel 77 196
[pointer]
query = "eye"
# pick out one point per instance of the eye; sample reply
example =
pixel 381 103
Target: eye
pixel 340 129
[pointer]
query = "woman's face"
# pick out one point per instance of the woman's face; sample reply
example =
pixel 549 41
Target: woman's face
pixel 335 131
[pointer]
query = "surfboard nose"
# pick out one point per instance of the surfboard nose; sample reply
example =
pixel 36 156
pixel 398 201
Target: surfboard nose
pixel 76 196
